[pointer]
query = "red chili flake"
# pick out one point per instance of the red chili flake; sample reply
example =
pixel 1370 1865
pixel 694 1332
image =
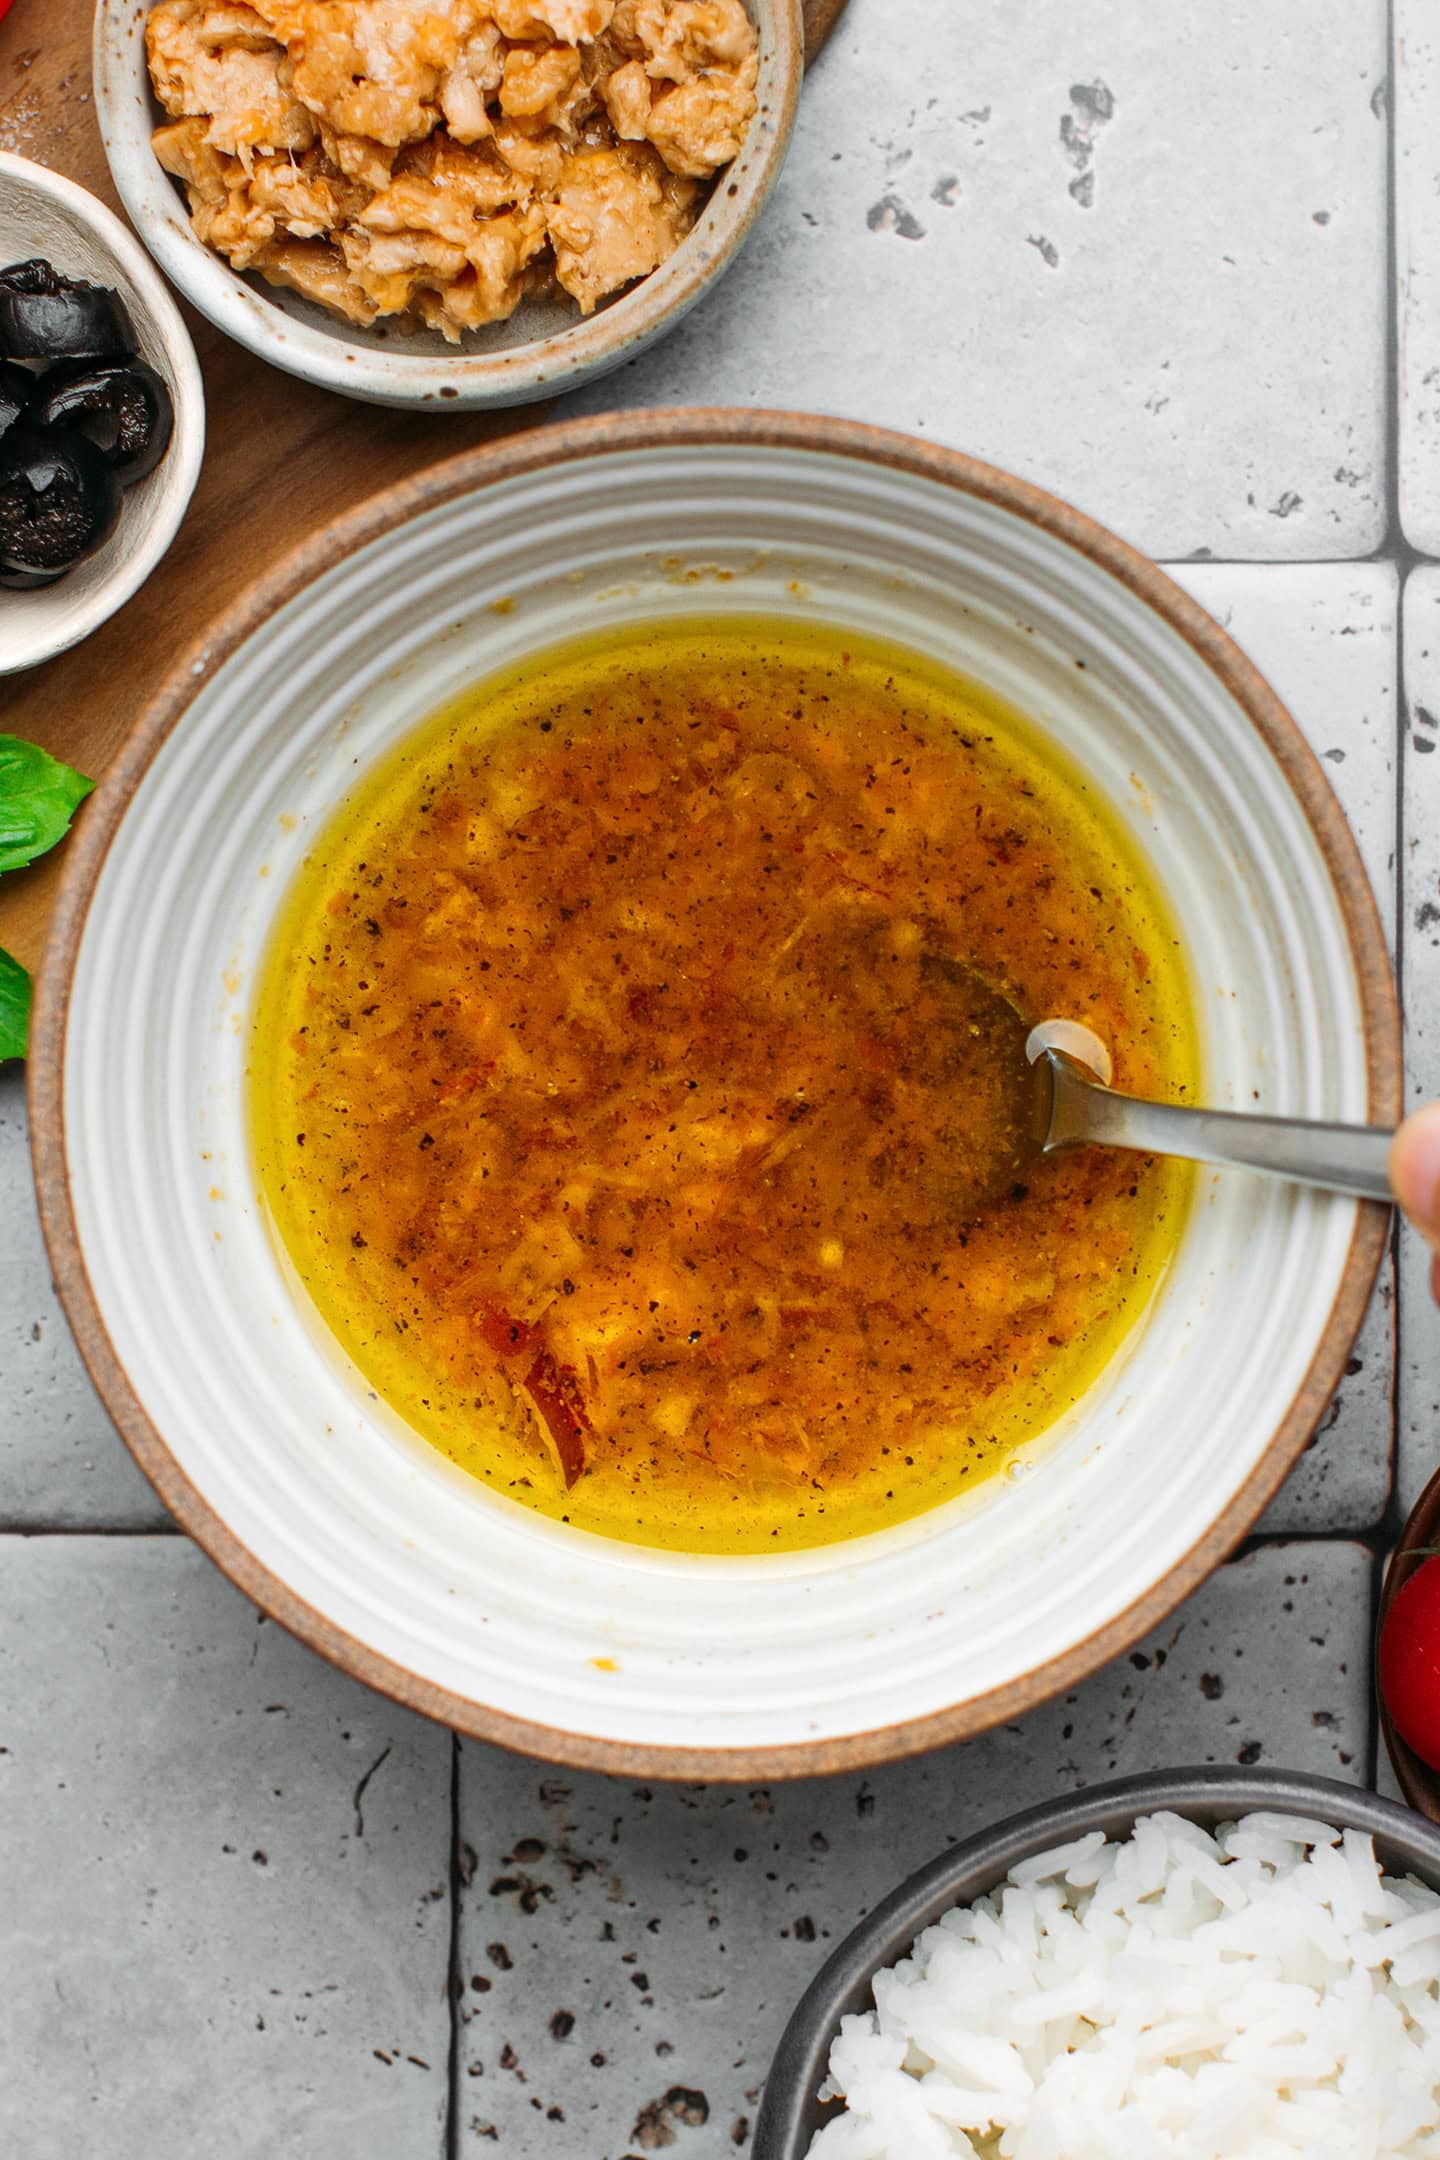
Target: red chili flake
pixel 464 1083
pixel 555 1391
pixel 876 1055
pixel 848 877
pixel 535 1139
pixel 506 1337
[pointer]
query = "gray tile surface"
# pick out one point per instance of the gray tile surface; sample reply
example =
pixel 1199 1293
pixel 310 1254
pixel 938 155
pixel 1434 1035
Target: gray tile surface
pixel 1136 253
pixel 61 1462
pixel 623 1943
pixel 1417 248
pixel 225 1927
pixel 1418 1380
pixel 1326 639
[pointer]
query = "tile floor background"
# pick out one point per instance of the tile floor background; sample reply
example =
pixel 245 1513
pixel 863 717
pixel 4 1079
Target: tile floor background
pixel 1184 267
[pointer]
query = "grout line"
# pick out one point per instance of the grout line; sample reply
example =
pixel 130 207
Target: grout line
pixel 453 1982
pixel 1405 558
pixel 1372 1538
pixel 83 1530
pixel 1392 1521
pixel 1395 543
pixel 1394 549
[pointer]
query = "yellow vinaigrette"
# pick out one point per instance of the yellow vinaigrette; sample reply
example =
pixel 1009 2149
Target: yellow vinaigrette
pixel 605 1103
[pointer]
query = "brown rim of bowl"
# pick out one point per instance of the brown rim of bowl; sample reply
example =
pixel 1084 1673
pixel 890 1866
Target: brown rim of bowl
pixel 517 456
pixel 1419 1783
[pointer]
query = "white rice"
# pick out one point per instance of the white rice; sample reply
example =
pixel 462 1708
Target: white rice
pixel 1257 1994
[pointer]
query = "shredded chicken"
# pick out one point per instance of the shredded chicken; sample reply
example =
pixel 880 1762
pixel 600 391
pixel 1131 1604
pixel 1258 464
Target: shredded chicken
pixel 573 22
pixel 628 99
pixel 184 150
pixel 699 125
pixel 317 272
pixel 533 151
pixel 374 67
pixel 617 215
pixel 435 160
pixel 680 39
pixel 366 164
pixel 470 81
pixel 280 198
pixel 217 62
pixel 446 189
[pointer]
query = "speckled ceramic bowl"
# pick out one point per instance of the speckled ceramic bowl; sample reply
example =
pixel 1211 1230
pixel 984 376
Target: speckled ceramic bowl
pixel 1420 1537
pixel 43 214
pixel 251 1421
pixel 543 350
pixel 791 2111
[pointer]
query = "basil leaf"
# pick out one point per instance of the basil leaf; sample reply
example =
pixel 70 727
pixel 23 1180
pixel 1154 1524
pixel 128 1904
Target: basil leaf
pixel 38 797
pixel 14 1007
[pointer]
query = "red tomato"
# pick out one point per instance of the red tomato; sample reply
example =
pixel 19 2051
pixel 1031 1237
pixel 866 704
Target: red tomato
pixel 4 9
pixel 1410 1661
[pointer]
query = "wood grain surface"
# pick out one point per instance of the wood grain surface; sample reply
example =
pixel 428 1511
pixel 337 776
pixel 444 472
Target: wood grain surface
pixel 821 17
pixel 281 459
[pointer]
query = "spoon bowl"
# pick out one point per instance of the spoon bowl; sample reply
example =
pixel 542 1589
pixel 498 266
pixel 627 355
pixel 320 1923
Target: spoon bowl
pixel 1028 1092
pixel 991 1126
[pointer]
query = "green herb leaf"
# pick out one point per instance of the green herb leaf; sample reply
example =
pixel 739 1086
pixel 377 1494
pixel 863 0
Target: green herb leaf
pixel 38 798
pixel 14 1007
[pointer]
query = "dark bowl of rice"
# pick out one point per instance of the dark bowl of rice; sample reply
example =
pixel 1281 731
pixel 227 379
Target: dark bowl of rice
pixel 1356 1912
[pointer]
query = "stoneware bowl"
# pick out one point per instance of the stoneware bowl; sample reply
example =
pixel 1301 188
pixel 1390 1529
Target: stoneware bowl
pixel 251 1422
pixel 1420 1537
pixel 543 350
pixel 791 2113
pixel 41 214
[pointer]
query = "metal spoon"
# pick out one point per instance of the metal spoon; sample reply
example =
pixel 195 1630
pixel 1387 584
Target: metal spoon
pixel 1061 1100
pixel 1339 1158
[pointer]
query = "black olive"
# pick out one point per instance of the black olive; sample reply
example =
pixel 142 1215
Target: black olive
pixel 58 500
pixel 123 408
pixel 16 389
pixel 35 276
pixel 74 321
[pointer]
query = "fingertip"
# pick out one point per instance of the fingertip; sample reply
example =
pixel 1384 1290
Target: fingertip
pixel 1415 1168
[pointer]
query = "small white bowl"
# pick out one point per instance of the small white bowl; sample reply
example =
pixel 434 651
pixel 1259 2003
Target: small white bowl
pixel 43 214
pixel 541 352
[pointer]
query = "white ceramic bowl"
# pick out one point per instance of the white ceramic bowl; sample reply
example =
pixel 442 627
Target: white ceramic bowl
pixel 42 214
pixel 249 1418
pixel 543 350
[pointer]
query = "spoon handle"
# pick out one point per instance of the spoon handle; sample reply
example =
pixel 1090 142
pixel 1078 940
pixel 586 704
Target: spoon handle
pixel 1340 1158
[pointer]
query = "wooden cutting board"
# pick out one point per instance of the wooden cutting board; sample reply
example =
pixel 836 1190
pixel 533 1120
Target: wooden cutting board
pixel 281 458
